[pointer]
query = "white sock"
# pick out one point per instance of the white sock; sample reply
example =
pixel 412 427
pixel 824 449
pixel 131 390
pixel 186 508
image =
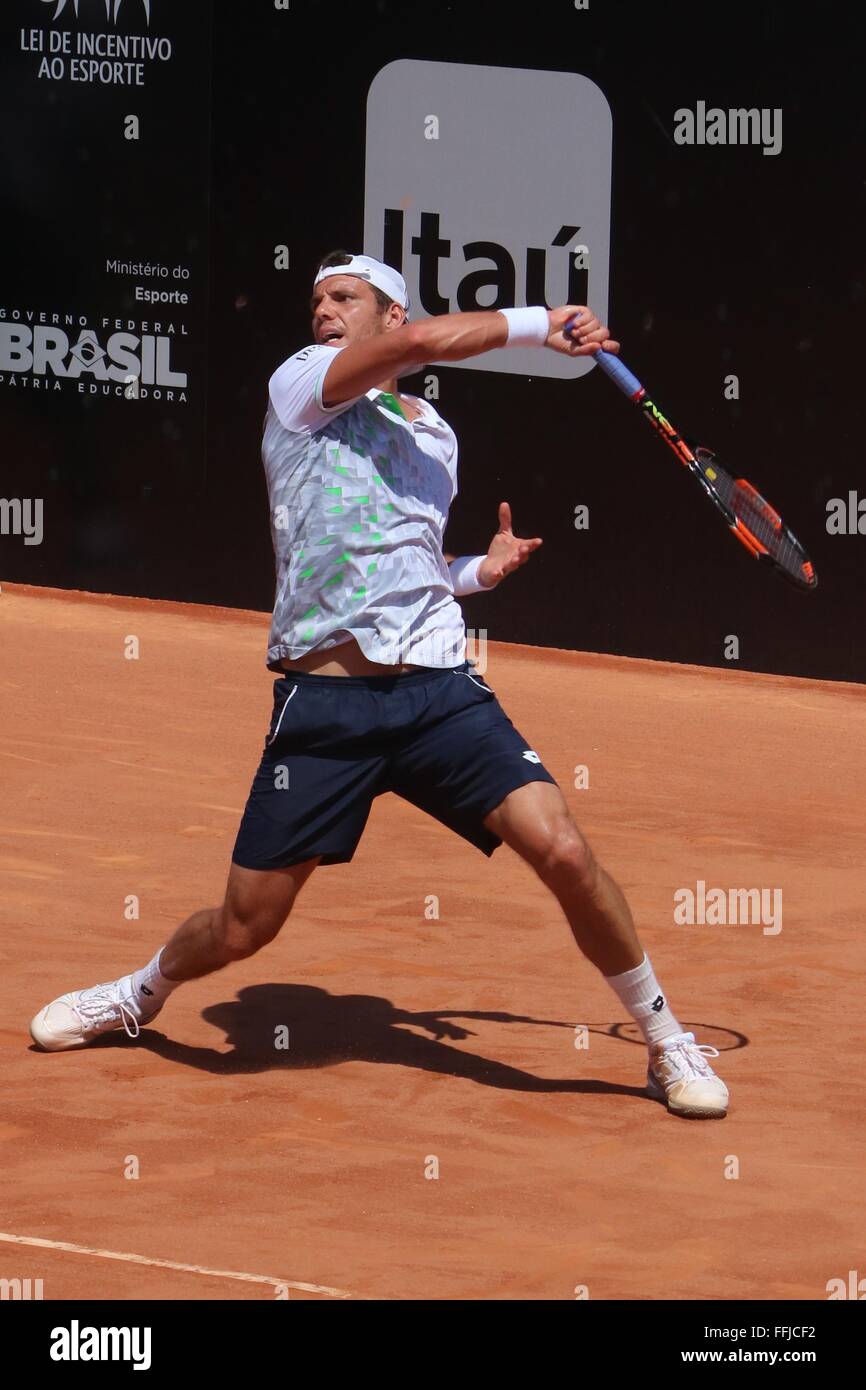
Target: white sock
pixel 150 986
pixel 639 991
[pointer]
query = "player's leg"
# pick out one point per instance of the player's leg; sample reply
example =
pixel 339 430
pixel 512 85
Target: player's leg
pixel 535 821
pixel 308 805
pixel 463 761
pixel 256 904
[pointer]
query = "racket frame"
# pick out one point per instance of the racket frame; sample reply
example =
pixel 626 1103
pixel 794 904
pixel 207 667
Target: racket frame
pixel 690 457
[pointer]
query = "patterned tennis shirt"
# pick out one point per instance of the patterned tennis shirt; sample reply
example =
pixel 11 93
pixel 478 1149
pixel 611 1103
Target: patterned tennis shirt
pixel 359 498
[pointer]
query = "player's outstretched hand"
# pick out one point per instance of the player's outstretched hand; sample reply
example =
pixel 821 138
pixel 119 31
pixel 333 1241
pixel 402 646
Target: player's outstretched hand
pixel 588 335
pixel 506 552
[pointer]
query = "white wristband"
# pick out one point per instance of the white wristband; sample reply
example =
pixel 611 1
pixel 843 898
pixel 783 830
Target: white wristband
pixel 464 574
pixel 527 327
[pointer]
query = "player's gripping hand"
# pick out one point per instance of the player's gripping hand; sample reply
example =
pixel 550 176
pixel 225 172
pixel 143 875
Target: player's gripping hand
pixel 588 334
pixel 506 551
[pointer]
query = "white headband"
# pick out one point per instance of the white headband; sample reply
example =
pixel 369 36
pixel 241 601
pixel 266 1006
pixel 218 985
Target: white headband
pixel 384 277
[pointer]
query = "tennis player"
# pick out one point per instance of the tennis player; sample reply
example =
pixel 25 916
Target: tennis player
pixel 373 691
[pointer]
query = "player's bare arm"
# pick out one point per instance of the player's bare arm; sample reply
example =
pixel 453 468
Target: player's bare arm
pixel 365 362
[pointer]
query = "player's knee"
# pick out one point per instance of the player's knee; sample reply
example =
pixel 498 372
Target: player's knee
pixel 255 907
pixel 240 933
pixel 566 852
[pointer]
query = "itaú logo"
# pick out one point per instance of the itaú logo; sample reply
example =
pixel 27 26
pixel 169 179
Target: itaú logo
pixel 457 198
pixel 61 6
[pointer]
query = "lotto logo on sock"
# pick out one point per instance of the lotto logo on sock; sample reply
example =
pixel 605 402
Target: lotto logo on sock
pixel 658 1003
pixel 715 907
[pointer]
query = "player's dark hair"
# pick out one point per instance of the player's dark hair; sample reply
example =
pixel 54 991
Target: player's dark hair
pixel 341 257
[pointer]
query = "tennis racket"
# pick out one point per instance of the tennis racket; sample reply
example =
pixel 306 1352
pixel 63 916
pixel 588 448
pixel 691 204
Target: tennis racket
pixel 749 516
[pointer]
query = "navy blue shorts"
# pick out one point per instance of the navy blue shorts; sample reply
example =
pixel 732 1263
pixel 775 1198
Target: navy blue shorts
pixel 437 737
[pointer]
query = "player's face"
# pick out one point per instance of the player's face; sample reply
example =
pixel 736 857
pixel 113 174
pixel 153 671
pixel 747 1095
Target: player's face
pixel 344 309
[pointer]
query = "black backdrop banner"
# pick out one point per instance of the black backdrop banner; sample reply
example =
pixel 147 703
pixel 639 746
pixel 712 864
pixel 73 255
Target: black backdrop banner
pixel 172 173
pixel 104 287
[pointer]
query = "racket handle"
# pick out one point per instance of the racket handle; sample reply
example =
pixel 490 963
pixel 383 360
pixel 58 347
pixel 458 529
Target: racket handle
pixel 612 367
pixel 618 373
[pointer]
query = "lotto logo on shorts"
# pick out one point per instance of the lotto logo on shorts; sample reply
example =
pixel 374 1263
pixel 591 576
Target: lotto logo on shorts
pixel 459 201
pixel 531 757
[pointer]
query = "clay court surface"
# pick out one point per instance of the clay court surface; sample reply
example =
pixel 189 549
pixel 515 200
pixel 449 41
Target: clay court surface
pixel 412 1037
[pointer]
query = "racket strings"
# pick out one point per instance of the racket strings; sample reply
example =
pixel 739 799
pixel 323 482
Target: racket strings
pixel 776 539
pixel 751 510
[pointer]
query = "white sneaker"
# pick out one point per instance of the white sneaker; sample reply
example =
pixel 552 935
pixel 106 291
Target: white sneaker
pixel 680 1074
pixel 75 1019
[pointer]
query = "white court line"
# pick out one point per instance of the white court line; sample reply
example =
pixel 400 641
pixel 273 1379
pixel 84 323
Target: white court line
pixel 171 1264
